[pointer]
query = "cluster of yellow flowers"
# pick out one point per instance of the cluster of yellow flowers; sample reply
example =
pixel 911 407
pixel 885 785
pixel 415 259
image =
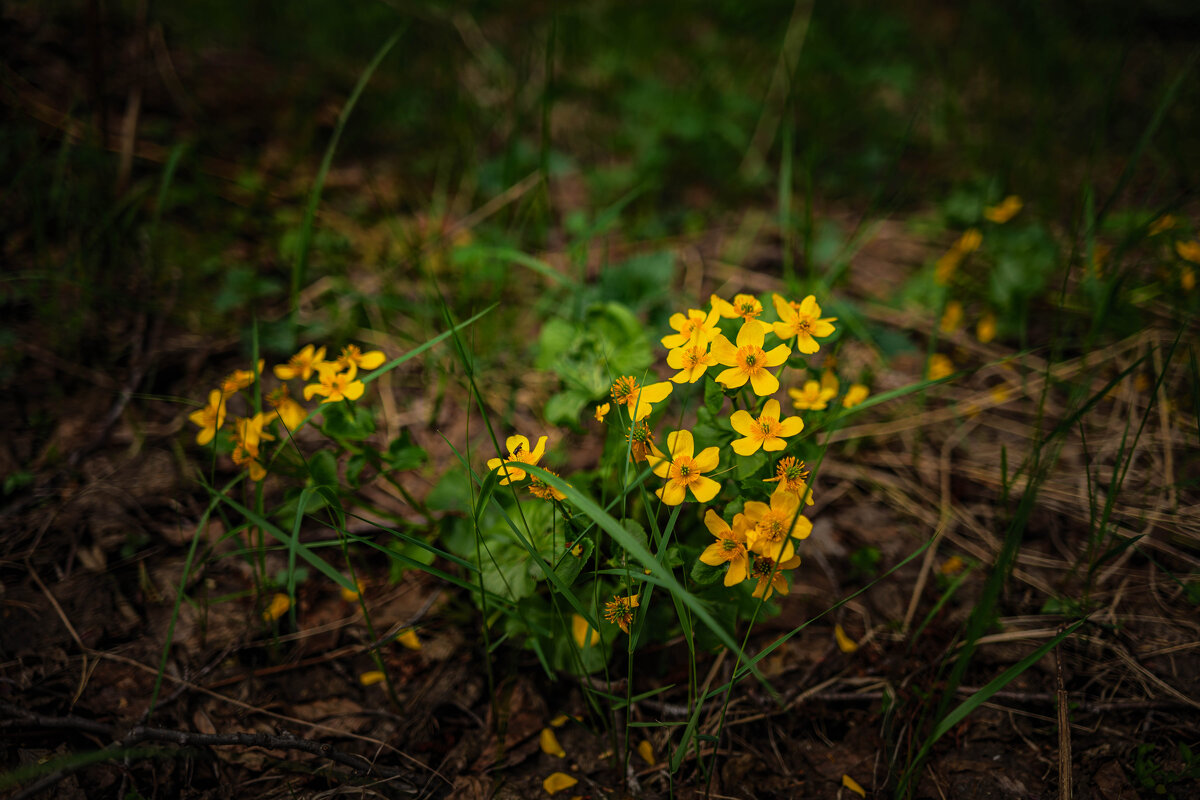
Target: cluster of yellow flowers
pixel 759 545
pixel 336 381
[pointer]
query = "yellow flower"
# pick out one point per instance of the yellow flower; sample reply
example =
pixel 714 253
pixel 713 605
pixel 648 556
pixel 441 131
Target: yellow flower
pixel 248 434
pixel 210 418
pixel 1004 211
pixel 947 264
pixel 692 361
pixel 940 366
pixel 1189 250
pixel 302 365
pixel 557 782
pixel 695 328
pixel 290 413
pixel 855 395
pixel 952 317
pixel 579 630
pixel 619 611
pixel 352 358
pixel 792 476
pixel 970 240
pixel 602 411
pixel 518 450
pixel 278 606
pixel 729 548
pixel 985 330
pixel 745 306
pixel 638 399
pixel 803 322
pixel 683 472
pixel 641 442
pixel 334 386
pixel 767 432
pixel 239 379
pixel 747 361
pixel 1164 223
pixel 539 488
pixel 771 529
pixel 812 397
pixel 769 576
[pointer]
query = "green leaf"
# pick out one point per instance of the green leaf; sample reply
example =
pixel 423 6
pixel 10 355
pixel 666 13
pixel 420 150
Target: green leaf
pixel 322 468
pixel 564 408
pixel 345 422
pixel 714 397
pixel 705 574
pixel 403 454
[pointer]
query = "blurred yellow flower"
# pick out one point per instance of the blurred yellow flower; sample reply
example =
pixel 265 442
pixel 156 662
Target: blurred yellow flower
pixel 747 361
pixel 985 329
pixel 952 317
pixel 696 328
pixel 947 264
pixel 542 489
pixel 210 418
pixel 579 630
pixel 1187 278
pixel 278 606
pixel 290 413
pixel 352 358
pixel 811 397
pixel 518 450
pixel 301 365
pixel 248 434
pixel 602 411
pixel 855 395
pixel 683 471
pixel 239 379
pixel 1005 210
pixel 1189 250
pixel 1164 223
pixel 334 386
pixel 639 400
pixel 802 322
pixel 730 547
pixel 940 366
pixel 641 442
pixel 767 432
pixel 619 611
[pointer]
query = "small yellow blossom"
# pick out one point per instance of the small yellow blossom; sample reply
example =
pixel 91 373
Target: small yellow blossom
pixel 557 782
pixel 210 418
pixel 278 606
pixel 371 677
pixel 1189 251
pixel 602 411
pixel 855 395
pixel 289 412
pixel 683 471
pixel 811 397
pixel 638 399
pixel 619 610
pixel 353 358
pixel 248 434
pixel 770 529
pixel 408 639
pixel 745 306
pixel 985 329
pixel 767 432
pixel 518 450
pixel 549 744
pixel 302 364
pixel 542 489
pixel 730 547
pixel 1164 223
pixel 802 322
pixel 940 366
pixel 692 361
pixel 747 361
pixel 334 386
pixel 770 576
pixel 1004 211
pixel 947 264
pixel 844 642
pixel 239 379
pixel 579 630
pixel 792 476
pixel 952 317
pixel 697 328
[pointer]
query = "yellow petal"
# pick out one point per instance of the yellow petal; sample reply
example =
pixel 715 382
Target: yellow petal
pixel 550 745
pixel 560 720
pixel 371 360
pixel 580 628
pixel 408 638
pixel 557 782
pixel 646 751
pixel 853 786
pixel 278 607
pixel 371 678
pixel 352 596
pixel 844 642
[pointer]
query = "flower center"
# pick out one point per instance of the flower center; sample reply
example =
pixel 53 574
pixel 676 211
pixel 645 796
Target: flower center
pixel 767 426
pixel 773 526
pixel 805 324
pixel 729 544
pixel 624 388
pixel 750 357
pixel 763 567
pixel 685 470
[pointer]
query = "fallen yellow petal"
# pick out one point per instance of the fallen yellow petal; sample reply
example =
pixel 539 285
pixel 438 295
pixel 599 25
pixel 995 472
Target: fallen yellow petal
pixel 560 720
pixel 408 638
pixel 845 643
pixel 557 782
pixel 371 678
pixel 646 751
pixel 952 566
pixel 349 596
pixel 853 786
pixel 550 745
pixel 278 607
